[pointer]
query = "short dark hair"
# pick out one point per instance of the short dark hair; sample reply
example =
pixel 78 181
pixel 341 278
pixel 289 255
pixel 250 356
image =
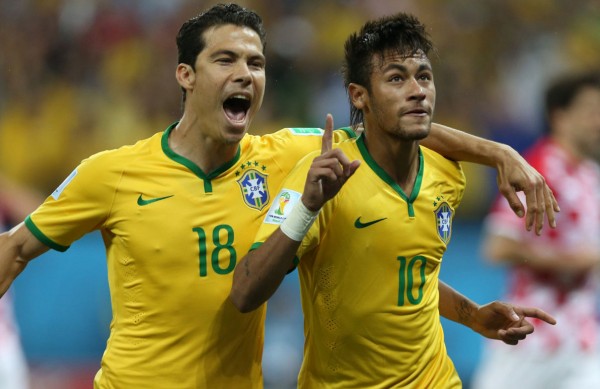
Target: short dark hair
pixel 190 39
pixel 562 91
pixel 401 33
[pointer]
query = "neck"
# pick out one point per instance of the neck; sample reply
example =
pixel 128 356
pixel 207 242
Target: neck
pixel 191 139
pixel 567 145
pixel 398 158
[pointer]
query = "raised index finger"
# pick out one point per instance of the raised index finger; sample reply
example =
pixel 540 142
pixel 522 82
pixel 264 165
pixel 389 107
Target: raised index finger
pixel 327 135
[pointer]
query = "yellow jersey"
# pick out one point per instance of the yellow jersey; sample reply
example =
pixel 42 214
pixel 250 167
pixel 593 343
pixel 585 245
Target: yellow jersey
pixel 173 235
pixel 368 271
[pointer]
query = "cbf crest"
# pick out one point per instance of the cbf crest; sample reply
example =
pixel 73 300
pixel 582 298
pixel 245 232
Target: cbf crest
pixel 254 189
pixel 443 216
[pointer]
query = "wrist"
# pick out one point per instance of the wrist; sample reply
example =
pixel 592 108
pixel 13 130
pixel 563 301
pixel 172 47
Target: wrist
pixel 500 154
pixel 298 222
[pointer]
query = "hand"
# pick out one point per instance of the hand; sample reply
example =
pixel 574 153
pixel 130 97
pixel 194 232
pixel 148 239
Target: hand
pixel 328 172
pixel 516 175
pixel 506 322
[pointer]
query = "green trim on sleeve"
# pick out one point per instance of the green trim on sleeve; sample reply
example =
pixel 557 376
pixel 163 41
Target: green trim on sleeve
pixel 255 245
pixel 43 238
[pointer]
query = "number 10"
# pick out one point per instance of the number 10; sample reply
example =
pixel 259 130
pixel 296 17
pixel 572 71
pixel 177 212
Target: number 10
pixel 406 281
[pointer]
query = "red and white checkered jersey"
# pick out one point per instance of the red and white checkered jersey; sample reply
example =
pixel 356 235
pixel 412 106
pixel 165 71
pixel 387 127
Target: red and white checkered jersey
pixel 572 300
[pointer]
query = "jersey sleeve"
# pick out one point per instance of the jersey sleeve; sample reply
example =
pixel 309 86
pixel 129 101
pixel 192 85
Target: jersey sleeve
pixel 79 205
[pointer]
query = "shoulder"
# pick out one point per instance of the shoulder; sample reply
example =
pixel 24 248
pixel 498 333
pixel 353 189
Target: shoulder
pixel 104 164
pixel 301 135
pixel 440 163
pixel 114 156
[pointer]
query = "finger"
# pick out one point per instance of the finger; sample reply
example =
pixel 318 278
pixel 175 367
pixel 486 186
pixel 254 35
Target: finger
pixel 540 210
pixel 513 200
pixel 519 333
pixel 555 205
pixel 506 310
pixel 531 200
pixel 327 140
pixel 325 169
pixel 352 168
pixel 349 167
pixel 506 338
pixel 551 207
pixel 538 314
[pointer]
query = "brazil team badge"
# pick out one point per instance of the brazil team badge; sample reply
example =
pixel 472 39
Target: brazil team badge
pixel 443 215
pixel 254 189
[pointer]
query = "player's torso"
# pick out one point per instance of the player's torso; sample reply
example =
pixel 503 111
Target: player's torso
pixel 174 238
pixel 372 287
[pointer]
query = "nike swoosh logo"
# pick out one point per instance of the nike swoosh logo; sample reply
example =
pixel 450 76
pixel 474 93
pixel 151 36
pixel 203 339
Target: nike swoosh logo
pixel 143 202
pixel 359 224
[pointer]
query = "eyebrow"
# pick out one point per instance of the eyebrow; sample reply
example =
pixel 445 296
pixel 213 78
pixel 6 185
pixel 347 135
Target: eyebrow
pixel 231 53
pixel 404 69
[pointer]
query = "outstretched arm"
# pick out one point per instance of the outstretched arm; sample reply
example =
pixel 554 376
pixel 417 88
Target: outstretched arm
pixel 17 247
pixel 585 258
pixel 514 174
pixel 496 320
pixel 261 271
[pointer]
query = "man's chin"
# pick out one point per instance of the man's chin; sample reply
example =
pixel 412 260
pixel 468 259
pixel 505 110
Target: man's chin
pixel 415 134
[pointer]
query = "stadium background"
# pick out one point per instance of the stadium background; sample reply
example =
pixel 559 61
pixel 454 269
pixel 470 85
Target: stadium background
pixel 77 77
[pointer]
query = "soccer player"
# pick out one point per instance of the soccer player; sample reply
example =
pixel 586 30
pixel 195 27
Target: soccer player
pixel 369 222
pixel 179 209
pixel 556 271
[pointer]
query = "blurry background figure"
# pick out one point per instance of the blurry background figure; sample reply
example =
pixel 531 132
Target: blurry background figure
pixel 557 270
pixel 15 204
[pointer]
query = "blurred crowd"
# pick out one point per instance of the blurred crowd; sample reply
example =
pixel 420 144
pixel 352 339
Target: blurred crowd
pixel 77 77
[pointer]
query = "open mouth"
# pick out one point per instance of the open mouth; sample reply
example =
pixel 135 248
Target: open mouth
pixel 236 108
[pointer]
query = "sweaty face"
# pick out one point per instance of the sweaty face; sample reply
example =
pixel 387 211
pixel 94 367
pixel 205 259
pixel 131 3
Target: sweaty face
pixel 402 96
pixel 229 82
pixel 582 121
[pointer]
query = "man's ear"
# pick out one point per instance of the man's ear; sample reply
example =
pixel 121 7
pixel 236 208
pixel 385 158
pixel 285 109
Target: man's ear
pixel 186 76
pixel 358 95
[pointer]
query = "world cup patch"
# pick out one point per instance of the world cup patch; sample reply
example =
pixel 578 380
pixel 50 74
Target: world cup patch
pixel 282 205
pixel 254 189
pixel 443 216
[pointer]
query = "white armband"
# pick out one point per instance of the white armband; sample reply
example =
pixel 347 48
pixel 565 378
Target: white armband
pixel 297 224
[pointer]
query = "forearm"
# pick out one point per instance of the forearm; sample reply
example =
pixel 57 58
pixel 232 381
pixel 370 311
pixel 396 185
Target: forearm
pixel 12 258
pixel 461 146
pixel 261 271
pixel 541 258
pixel 456 307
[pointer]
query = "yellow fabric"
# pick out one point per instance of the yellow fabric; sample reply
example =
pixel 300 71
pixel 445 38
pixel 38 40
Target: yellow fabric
pixel 370 320
pixel 173 235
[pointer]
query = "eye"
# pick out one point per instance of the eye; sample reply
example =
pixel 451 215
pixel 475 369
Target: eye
pixel 395 78
pixel 224 60
pixel 257 64
pixel 426 77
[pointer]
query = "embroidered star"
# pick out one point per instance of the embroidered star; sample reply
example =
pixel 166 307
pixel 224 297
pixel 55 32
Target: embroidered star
pixel 255 163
